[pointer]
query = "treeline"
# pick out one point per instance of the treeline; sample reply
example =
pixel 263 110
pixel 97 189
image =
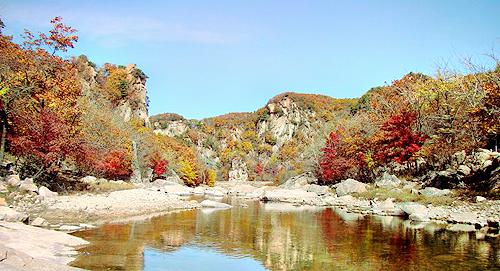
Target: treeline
pixel 415 124
pixel 67 115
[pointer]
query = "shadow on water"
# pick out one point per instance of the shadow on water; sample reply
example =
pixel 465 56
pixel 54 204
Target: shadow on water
pixel 282 237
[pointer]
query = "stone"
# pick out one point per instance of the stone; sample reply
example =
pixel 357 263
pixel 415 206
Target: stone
pixel 479 199
pixel 413 208
pixel 159 183
pixel 214 204
pixel 199 190
pixel 290 195
pixel 300 181
pixel 45 193
pixel 420 217
pixel 89 180
pixel 214 193
pixel 388 181
pixel 11 215
pixel 386 205
pixel 28 186
pixel 24 247
pixel 39 222
pixel 86 226
pixel 464 170
pixel 174 179
pixel 464 217
pixel 434 192
pixel 318 189
pixel 349 186
pixel 70 228
pixel 13 180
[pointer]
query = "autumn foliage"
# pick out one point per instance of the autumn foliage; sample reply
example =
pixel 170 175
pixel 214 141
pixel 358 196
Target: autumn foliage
pixel 332 166
pixel 400 143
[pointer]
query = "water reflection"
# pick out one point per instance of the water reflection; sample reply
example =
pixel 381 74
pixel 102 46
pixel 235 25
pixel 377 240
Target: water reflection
pixel 282 237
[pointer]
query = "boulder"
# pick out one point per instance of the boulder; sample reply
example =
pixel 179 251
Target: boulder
pixel 464 217
pixel 241 189
pixel 415 211
pixel 174 179
pixel 13 180
pixel 28 186
pixel 39 222
pixel 349 186
pixel 434 192
pixel 179 190
pixel 45 193
pixel 214 204
pixel 388 181
pixel 89 180
pixel 159 183
pixel 211 192
pixel 290 195
pixel 11 215
pixel 318 189
pixel 300 181
pixel 479 199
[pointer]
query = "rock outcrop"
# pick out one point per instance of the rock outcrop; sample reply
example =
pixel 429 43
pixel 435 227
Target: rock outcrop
pixel 238 171
pixel 284 119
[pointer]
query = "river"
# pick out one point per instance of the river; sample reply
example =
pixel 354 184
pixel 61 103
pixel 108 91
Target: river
pixel 270 236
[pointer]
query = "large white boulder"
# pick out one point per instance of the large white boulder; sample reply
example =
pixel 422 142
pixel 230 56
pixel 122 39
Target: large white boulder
pixel 45 193
pixel 388 181
pixel 88 180
pixel 349 186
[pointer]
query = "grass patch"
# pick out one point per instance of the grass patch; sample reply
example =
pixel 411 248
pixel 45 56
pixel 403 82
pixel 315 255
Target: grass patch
pixel 404 195
pixel 109 186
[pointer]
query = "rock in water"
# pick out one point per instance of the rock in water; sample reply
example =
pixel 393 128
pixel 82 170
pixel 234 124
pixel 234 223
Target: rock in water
pixel 214 204
pixel 349 186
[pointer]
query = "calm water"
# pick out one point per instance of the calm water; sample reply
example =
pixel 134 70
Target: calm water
pixel 272 237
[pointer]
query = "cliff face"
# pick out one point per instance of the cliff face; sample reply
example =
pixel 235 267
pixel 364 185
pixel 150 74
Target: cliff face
pixel 133 101
pixel 134 104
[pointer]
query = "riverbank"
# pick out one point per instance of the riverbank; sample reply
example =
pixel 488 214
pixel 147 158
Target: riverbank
pixel 74 212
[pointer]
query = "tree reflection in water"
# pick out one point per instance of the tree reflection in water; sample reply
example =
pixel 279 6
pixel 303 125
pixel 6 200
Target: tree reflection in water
pixel 283 237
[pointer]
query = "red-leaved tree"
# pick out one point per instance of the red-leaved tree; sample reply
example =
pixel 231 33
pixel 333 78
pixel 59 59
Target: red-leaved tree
pixel 45 137
pixel 332 167
pixel 116 165
pixel 400 142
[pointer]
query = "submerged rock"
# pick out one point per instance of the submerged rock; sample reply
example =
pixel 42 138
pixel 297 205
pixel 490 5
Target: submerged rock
pixel 214 204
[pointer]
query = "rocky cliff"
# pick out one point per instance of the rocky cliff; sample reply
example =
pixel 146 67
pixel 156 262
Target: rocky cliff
pixel 267 144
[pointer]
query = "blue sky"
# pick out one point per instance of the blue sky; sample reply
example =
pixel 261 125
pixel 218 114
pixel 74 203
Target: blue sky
pixel 206 58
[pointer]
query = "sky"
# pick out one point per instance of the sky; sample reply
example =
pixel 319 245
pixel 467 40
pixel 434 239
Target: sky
pixel 206 58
